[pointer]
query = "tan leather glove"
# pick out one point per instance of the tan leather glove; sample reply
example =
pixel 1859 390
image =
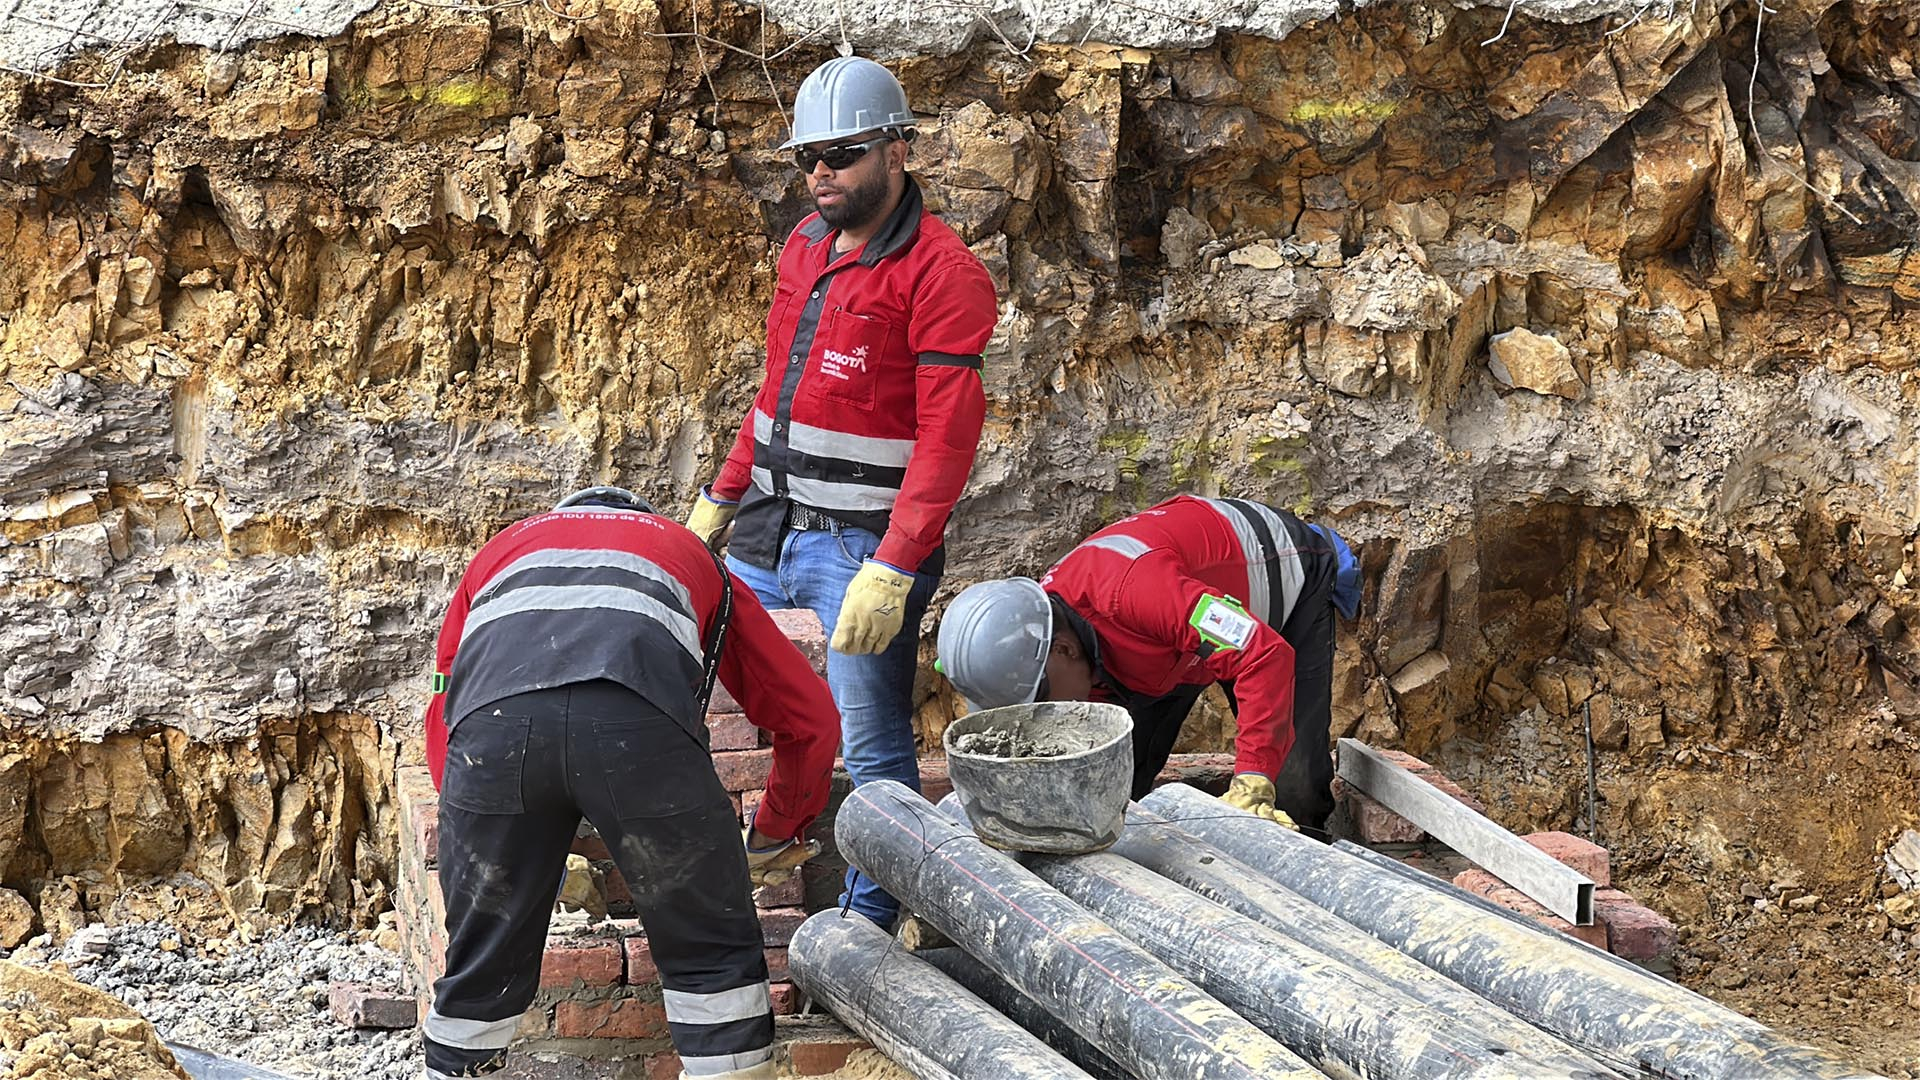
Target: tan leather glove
pixel 774 865
pixel 581 889
pixel 710 519
pixel 1254 794
pixel 874 608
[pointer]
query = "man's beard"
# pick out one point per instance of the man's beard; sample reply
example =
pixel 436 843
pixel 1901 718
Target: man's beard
pixel 857 205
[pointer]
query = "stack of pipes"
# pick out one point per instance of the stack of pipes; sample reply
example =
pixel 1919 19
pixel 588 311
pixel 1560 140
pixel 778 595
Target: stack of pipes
pixel 1208 943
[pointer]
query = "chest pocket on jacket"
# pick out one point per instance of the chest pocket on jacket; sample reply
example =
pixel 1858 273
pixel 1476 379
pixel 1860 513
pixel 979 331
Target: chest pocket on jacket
pixel 854 349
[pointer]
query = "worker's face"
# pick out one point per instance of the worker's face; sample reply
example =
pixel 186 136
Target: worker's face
pixel 856 194
pixel 1069 672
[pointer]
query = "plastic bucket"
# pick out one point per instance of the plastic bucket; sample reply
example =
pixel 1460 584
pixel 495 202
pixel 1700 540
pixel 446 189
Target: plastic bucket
pixel 1048 777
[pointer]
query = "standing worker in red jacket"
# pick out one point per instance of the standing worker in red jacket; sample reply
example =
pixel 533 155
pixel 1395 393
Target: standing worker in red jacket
pixel 860 440
pixel 1150 610
pixel 572 679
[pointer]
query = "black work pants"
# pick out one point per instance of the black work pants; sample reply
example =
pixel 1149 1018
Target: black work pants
pixel 520 774
pixel 1304 788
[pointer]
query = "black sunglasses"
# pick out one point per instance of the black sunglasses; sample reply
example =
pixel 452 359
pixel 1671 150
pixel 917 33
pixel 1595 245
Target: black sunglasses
pixel 836 157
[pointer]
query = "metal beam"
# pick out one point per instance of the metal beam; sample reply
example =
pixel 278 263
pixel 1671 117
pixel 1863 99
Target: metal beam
pixel 1556 886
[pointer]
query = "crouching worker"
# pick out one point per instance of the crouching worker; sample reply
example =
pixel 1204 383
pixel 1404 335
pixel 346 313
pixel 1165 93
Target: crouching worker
pixel 1150 610
pixel 573 672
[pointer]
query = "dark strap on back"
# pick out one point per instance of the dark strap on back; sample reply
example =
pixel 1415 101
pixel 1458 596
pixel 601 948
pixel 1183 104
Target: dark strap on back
pixel 717 636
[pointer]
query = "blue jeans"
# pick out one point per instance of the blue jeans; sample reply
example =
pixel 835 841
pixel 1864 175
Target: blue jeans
pixel 874 693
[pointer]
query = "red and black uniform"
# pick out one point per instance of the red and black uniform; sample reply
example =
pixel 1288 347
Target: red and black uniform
pixel 1146 594
pixel 872 405
pixel 575 652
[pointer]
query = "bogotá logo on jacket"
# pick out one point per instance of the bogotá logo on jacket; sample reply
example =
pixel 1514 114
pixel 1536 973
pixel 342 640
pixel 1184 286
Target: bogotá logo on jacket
pixel 841 365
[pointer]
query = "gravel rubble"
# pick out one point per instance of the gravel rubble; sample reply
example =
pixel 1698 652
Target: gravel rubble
pixel 264 1002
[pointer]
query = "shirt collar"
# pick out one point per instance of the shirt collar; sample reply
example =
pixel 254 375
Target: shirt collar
pixel 900 229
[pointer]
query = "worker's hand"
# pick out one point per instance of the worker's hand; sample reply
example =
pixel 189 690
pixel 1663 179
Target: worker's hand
pixel 581 890
pixel 874 608
pixel 775 861
pixel 1254 794
pixel 710 519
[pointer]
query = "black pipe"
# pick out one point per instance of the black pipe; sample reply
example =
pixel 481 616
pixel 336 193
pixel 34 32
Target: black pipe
pixel 1343 1022
pixel 982 983
pixel 1158 845
pixel 1151 1020
pixel 916 1015
pixel 1620 1015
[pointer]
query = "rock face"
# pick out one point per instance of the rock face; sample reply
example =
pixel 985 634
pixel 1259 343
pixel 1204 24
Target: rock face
pixel 286 333
pixel 1529 361
pixel 54 1027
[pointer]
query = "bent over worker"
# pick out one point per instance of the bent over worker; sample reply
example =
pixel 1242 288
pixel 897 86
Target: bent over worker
pixel 859 442
pixel 573 671
pixel 1150 610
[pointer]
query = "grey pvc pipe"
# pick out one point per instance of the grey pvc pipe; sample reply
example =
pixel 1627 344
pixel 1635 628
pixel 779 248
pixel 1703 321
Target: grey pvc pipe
pixel 1624 1016
pixel 1158 845
pixel 1153 1021
pixel 982 983
pixel 915 1014
pixel 1343 1022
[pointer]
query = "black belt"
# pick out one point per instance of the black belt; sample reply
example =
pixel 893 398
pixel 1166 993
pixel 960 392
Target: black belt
pixel 803 518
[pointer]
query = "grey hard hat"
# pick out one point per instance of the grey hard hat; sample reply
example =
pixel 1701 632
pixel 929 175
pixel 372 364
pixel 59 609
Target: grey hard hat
pixel 618 498
pixel 994 641
pixel 846 96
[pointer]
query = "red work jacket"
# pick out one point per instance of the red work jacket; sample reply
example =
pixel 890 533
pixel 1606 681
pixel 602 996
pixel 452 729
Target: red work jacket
pixel 1143 585
pixel 593 593
pixel 872 404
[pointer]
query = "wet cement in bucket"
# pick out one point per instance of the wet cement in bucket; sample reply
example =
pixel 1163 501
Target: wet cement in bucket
pixel 1003 743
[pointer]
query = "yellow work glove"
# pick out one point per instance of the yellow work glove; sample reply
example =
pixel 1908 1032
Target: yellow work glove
pixel 710 519
pixel 1254 794
pixel 774 865
pixel 874 608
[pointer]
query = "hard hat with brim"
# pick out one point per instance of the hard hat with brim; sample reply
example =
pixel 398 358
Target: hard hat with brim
pixel 994 640
pixel 848 96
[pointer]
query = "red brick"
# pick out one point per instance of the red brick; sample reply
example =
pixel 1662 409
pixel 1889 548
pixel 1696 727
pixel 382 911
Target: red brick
pixel 731 731
pixel 786 999
pixel 821 1058
pixel 615 890
pixel 591 847
pixel 357 1005
pixel 1406 761
pixel 777 964
pixel 779 924
pixel 791 893
pixel 1478 882
pixel 571 962
pixel 1584 856
pixel 1374 823
pixel 1635 931
pixel 804 630
pixel 743 770
pixel 1209 772
pixel 625 1018
pixel 641 969
pixel 1481 883
pixel 749 802
pixel 934 782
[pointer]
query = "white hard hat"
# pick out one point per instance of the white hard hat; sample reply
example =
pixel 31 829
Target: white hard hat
pixel 846 96
pixel 994 641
